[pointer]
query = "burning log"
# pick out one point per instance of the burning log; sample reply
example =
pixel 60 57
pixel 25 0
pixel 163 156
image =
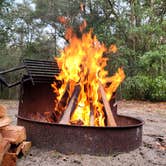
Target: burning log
pixel 110 117
pixel 61 105
pixel 71 106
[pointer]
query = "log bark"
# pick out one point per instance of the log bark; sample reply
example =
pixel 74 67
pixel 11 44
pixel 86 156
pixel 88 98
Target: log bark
pixel 71 106
pixel 110 117
pixel 14 134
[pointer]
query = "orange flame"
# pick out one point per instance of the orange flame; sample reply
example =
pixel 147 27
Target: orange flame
pixel 82 62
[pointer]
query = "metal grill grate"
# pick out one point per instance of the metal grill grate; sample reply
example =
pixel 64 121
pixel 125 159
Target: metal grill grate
pixel 37 71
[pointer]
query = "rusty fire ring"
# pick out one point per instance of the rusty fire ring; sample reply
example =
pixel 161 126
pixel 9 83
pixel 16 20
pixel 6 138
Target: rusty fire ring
pixel 92 140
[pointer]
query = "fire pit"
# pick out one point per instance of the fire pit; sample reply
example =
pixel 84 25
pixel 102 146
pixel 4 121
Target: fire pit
pixel 37 97
pixel 69 104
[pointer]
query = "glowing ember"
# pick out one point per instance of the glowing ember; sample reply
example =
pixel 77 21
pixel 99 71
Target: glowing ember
pixel 82 63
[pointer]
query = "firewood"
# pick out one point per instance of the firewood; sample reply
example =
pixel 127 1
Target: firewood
pixel 23 148
pixel 61 105
pixel 110 118
pixel 4 147
pixel 14 134
pixel 2 111
pixel 1 137
pixel 9 159
pixel 71 106
pixel 4 121
pixel 64 97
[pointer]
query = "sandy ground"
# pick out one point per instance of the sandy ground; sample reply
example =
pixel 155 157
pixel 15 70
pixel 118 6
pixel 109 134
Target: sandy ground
pixel 152 152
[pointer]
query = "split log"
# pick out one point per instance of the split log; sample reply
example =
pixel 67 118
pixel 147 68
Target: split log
pixel 14 134
pixel 64 98
pixel 9 159
pixel 4 147
pixel 23 148
pixel 2 111
pixel 71 106
pixel 4 121
pixel 61 105
pixel 110 118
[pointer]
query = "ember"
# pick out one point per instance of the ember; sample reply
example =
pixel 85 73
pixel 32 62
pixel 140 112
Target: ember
pixel 82 64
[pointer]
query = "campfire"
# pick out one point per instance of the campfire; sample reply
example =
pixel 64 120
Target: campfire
pixel 86 88
pixel 68 104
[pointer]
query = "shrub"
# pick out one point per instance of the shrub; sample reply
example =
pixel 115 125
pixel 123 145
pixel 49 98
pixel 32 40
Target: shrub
pixel 145 88
pixel 158 92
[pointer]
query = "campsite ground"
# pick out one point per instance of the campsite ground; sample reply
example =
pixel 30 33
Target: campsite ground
pixel 152 152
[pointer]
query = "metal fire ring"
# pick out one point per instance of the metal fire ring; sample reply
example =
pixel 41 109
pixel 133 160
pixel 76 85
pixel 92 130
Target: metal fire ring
pixel 69 139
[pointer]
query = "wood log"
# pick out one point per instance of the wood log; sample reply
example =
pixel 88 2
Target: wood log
pixel 71 106
pixel 2 111
pixel 9 159
pixel 4 147
pixel 4 121
pixel 110 118
pixel 14 134
pixel 64 98
pixel 62 104
pixel 1 137
pixel 23 148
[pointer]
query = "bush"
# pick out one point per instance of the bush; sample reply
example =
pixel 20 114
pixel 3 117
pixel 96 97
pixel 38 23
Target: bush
pixel 137 87
pixel 158 92
pixel 153 63
pixel 145 88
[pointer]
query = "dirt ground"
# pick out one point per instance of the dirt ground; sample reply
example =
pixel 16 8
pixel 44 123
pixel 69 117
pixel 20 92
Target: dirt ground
pixel 152 152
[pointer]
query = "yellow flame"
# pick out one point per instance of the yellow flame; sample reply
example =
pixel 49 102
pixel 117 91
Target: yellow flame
pixel 82 62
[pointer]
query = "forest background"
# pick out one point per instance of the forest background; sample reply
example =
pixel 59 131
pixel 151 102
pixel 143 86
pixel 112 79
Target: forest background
pixel 30 29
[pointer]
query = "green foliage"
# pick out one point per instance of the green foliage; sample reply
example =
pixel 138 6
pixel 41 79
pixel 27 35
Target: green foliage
pixel 30 29
pixel 137 87
pixel 145 88
pixel 158 92
pixel 153 63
